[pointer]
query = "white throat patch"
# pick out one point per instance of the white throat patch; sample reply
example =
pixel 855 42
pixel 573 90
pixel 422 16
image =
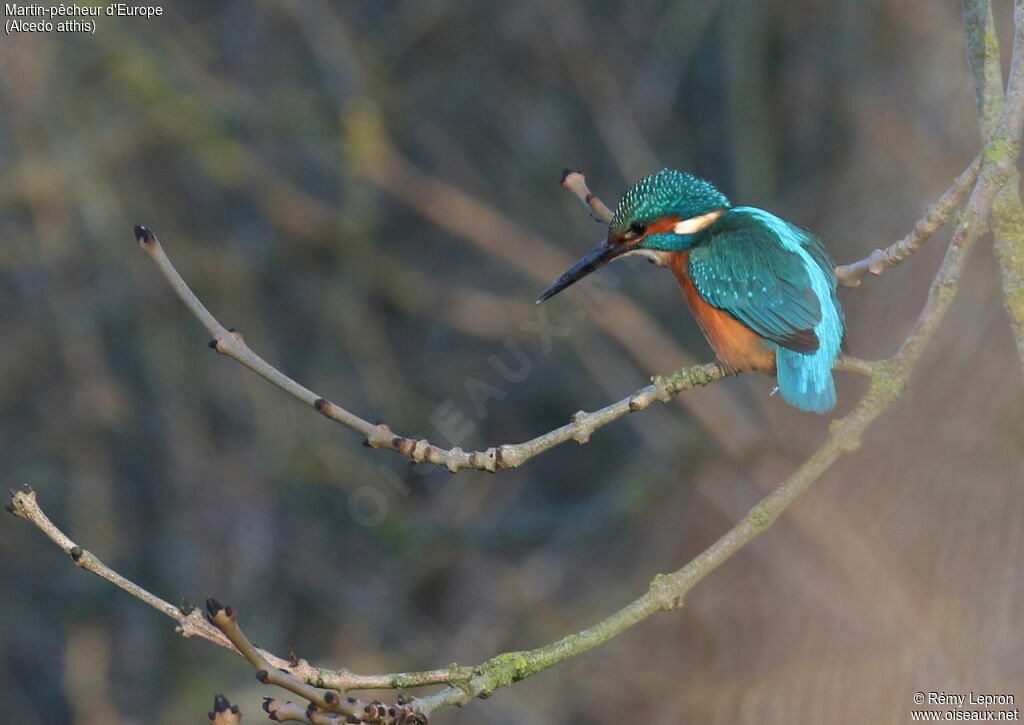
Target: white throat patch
pixel 658 257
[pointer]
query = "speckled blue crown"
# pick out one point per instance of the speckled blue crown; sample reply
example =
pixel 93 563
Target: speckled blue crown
pixel 666 193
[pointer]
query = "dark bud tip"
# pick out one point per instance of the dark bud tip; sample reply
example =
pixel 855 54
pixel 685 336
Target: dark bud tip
pixel 230 611
pixel 320 404
pixel 351 700
pixel 263 676
pixel 330 698
pixel 9 507
pixel 235 710
pixel 366 444
pixel 213 606
pixel 231 329
pixel 351 718
pixel 142 234
pixel 220 703
pixel 565 174
pixel 212 344
pixel 186 607
pixel 210 715
pixel 392 711
pixel 76 552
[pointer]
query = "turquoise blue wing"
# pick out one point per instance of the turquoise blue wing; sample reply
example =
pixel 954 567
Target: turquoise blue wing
pixel 745 269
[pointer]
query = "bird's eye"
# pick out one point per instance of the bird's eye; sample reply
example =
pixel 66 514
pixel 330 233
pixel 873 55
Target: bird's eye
pixel 638 228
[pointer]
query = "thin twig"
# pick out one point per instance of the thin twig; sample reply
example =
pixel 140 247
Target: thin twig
pixel 583 424
pixel 321 700
pixel 935 218
pixel 284 711
pixel 192 623
pixel 576 182
pixel 190 620
pixel 224 713
pixel 226 620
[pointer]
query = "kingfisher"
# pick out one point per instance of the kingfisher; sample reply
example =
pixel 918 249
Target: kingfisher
pixel 763 290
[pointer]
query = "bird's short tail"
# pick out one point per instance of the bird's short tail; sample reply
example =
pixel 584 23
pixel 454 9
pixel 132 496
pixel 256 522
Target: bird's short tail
pixel 805 379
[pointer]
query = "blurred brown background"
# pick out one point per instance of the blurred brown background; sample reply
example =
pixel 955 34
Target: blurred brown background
pixel 327 176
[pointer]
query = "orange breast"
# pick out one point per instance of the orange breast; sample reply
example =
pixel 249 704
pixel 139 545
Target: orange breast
pixel 737 346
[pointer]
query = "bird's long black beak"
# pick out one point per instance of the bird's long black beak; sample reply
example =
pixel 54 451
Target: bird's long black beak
pixel 599 256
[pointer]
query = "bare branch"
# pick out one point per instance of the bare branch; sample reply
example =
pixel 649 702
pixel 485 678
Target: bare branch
pixel 230 342
pixel 575 182
pixel 224 713
pixel 984 62
pixel 286 711
pixel 850 364
pixel 190 621
pixel 226 620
